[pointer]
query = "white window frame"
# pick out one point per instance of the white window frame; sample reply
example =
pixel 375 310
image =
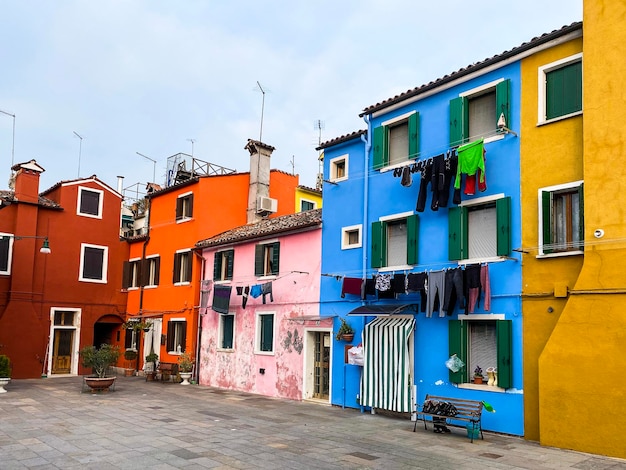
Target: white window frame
pixel 333 168
pixel 541 88
pixel 82 189
pixel 469 94
pixel 134 281
pixel 403 118
pixel 220 332
pixel 345 236
pixel 257 335
pixel 392 218
pixel 11 238
pixel 181 270
pixel 552 189
pixel 105 263
pixel 177 321
pixel 150 263
pixel 480 201
pixel 184 216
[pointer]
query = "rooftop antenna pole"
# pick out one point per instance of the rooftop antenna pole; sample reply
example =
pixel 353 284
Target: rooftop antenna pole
pixel 80 150
pixel 293 164
pixel 262 109
pixel 319 125
pixel 153 165
pixel 13 145
pixel 192 142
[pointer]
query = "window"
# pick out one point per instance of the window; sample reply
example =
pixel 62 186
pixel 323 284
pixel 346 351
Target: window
pixel 184 207
pixel 339 168
pixel 131 336
pixel 475 113
pixel 394 241
pixel 480 230
pixel 561 220
pixel 227 331
pixel 93 263
pixel 560 89
pixel 351 237
pixel 131 274
pixel 6 252
pixel 306 205
pixel 89 202
pixel 176 336
pixel 396 141
pixel 265 333
pixel 150 271
pixel 182 267
pixel 484 343
pixel 223 265
pixel 266 259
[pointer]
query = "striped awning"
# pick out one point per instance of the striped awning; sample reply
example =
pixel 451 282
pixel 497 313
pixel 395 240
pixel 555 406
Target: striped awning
pixel 386 379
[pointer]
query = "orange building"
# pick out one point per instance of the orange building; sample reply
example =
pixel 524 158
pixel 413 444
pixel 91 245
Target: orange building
pixel 64 295
pixel 163 272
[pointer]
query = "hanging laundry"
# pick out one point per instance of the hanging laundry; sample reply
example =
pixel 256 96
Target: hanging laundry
pixel 398 284
pixel 407 179
pixel 256 291
pixel 472 282
pixel 455 290
pixel 351 285
pixel 221 298
pixel 486 286
pixel 383 286
pixel 246 292
pixel 417 282
pixel 266 289
pixel 239 290
pixel 436 293
pixel 369 288
pixel 425 179
pixel 471 159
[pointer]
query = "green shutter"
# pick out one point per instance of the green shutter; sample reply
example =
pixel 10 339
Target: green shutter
pixel 259 256
pixel 378 245
pixel 564 90
pixel 457 341
pixel 267 332
pixel 170 336
pixel 276 258
pixel 546 220
pixel 144 272
pixel 414 141
pixel 179 208
pixel 459 122
pixel 176 276
pixel 230 260
pixel 581 215
pixel 457 233
pixel 502 101
pixel 217 267
pixel 381 152
pixel 157 269
pixel 504 332
pixel 190 205
pixel 227 331
pixel 412 225
pixel 503 221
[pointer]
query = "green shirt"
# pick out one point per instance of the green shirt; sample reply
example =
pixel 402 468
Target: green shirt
pixel 471 159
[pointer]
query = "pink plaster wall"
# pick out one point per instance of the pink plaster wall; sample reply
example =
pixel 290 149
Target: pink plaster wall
pixel 295 295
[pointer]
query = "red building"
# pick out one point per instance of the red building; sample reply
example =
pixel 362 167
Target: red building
pixel 52 304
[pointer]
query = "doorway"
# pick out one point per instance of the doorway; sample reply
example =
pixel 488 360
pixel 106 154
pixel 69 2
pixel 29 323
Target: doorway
pixel 317 365
pixel 64 344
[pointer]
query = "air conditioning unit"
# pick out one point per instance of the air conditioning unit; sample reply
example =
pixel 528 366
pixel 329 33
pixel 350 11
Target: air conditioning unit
pixel 266 204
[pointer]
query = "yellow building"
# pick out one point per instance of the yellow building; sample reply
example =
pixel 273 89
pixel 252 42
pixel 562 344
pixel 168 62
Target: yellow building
pixel 308 198
pixel 574 235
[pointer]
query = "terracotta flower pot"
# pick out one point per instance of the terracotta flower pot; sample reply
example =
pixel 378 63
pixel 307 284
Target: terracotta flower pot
pixel 347 337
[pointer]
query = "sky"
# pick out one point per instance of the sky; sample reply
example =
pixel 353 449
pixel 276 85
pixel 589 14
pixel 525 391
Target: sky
pixel 88 84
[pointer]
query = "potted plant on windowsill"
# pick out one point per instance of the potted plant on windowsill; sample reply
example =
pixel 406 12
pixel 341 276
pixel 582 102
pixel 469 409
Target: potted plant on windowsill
pixel 5 372
pixel 99 360
pixel 185 366
pixel 478 375
pixel 345 333
pixel 151 365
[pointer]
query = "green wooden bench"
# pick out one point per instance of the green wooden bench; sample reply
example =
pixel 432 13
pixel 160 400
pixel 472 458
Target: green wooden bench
pixel 469 411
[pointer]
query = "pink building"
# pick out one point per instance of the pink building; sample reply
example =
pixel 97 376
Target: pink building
pixel 261 327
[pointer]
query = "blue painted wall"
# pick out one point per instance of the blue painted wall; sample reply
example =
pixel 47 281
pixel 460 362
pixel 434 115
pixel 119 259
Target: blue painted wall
pixel 381 193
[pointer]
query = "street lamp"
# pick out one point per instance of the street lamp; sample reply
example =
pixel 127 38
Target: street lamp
pixel 153 165
pixel 45 247
pixel 13 145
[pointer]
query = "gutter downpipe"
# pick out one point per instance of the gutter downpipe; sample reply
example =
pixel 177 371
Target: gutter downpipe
pixel 368 146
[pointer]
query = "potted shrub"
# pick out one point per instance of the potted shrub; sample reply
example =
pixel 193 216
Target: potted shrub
pixel 151 365
pixel 5 372
pixel 478 375
pixel 99 360
pixel 345 333
pixel 130 355
pixel 185 366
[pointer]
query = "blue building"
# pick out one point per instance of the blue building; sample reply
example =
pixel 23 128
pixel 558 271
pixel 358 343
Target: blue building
pixel 422 262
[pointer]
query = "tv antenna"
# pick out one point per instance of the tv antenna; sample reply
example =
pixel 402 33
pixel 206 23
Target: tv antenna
pixel 262 110
pixel 293 164
pixel 193 141
pixel 80 150
pixel 319 125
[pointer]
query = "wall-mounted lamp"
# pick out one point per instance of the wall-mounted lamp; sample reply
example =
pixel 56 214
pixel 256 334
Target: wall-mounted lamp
pixel 502 125
pixel 45 247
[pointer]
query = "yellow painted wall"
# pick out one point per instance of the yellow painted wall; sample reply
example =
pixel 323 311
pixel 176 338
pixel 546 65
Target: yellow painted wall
pixel 579 383
pixel 303 193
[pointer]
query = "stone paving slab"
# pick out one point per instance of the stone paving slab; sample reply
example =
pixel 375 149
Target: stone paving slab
pixel 51 424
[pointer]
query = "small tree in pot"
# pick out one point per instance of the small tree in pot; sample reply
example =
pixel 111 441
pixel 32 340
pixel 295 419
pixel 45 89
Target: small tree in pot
pixel 99 360
pixel 5 372
pixel 185 366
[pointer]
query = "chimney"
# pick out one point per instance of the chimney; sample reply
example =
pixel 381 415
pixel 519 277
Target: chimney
pixel 260 154
pixel 27 181
pixel 120 184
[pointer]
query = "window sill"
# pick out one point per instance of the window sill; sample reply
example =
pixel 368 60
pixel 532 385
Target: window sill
pixel 184 283
pixel 560 254
pixel 152 286
pixel 493 259
pixel 221 282
pixel 560 118
pixel 482 388
pixel 338 180
pixel 184 219
pixel 129 289
pixel 351 247
pixel 264 353
pixel 397 165
pixel 404 267
pixel 225 350
pixel 269 277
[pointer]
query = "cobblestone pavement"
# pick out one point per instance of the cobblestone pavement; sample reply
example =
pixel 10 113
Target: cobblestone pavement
pixel 52 423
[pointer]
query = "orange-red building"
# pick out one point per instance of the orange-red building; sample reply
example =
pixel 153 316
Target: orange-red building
pixel 163 272
pixel 53 304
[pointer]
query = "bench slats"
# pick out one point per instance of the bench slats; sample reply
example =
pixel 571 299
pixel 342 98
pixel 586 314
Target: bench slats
pixel 467 410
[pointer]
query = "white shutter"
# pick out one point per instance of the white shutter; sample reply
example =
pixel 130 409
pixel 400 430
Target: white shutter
pixel 483 234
